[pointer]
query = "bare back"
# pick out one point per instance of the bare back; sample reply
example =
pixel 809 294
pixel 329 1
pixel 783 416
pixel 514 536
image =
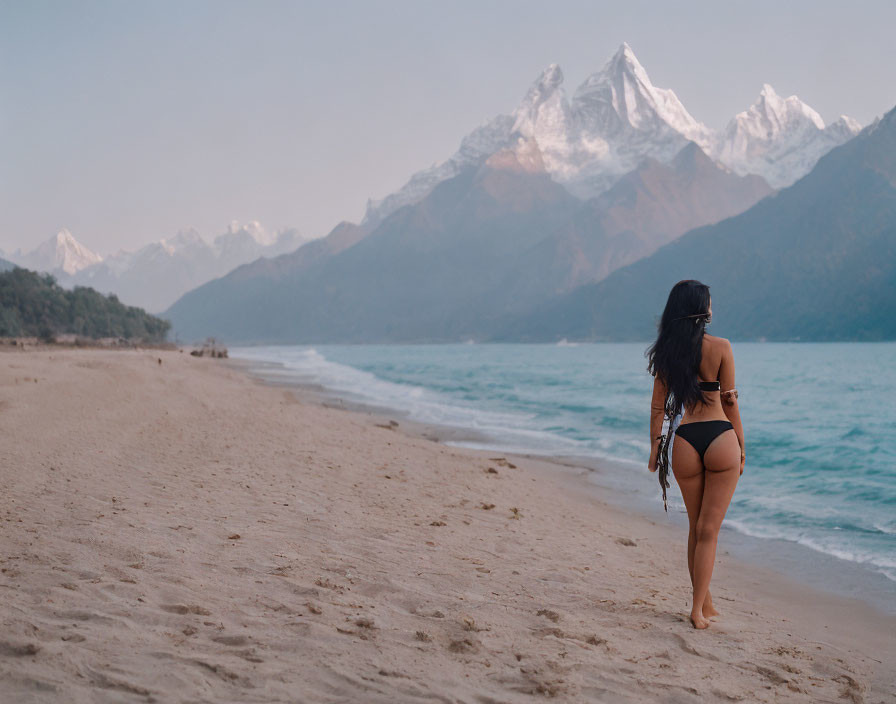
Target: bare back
pixel 713 365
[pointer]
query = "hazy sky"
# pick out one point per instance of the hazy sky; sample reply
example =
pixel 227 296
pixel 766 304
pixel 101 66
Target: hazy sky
pixel 126 121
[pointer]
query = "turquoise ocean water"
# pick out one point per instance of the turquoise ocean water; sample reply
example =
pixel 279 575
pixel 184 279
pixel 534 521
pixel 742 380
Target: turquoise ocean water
pixel 819 420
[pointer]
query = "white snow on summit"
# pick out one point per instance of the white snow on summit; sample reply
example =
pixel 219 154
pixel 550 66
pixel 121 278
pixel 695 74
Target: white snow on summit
pixel 621 97
pixel 779 138
pixel 157 274
pixel 253 229
pixel 62 252
pixel 621 118
pixel 616 119
pixel 544 116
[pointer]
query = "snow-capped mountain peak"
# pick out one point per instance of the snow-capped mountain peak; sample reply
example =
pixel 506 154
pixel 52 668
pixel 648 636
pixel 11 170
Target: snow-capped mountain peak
pixel 774 113
pixel 70 255
pixel 62 252
pixel 254 229
pixel 852 124
pixel 615 119
pixel 543 121
pixel 184 239
pixel 155 275
pixel 621 96
pixel 547 87
pixel 844 128
pixel 779 138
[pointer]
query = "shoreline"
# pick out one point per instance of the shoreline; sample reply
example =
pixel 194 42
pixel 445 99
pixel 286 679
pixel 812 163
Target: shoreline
pixel 789 559
pixel 176 530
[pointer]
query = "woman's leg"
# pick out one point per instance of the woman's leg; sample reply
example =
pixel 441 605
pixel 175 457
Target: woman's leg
pixel 722 463
pixel 688 471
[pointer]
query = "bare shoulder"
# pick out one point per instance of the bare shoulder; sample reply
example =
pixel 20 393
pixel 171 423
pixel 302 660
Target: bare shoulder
pixel 718 347
pixel 720 343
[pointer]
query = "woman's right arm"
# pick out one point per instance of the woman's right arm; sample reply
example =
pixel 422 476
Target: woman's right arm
pixel 657 412
pixel 729 400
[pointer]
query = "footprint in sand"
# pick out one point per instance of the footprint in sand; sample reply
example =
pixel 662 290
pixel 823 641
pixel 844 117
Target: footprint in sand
pixel 468 623
pixel 502 462
pixel 682 643
pixel 8 649
pixel 852 689
pixel 550 615
pixel 771 675
pixel 231 640
pixel 184 609
pixel 462 645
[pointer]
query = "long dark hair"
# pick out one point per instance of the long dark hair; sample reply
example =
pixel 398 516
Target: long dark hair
pixel 675 357
pixel 676 354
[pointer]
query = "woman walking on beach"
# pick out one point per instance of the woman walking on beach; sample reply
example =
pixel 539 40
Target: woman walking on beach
pixel 694 387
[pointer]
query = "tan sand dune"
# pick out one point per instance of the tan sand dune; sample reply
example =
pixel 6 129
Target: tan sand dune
pixel 177 532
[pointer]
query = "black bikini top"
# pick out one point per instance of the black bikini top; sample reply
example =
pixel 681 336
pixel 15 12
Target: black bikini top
pixel 710 385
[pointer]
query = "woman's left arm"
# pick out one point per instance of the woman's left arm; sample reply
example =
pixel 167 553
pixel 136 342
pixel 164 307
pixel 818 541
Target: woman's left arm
pixel 657 413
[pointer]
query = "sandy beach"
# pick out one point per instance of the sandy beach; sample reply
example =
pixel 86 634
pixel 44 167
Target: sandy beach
pixel 174 531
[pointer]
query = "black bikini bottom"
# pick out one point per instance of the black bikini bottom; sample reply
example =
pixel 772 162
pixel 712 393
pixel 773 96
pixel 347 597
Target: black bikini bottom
pixel 703 432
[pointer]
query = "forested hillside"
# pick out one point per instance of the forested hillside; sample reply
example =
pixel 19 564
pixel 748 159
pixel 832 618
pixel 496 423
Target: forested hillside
pixel 34 305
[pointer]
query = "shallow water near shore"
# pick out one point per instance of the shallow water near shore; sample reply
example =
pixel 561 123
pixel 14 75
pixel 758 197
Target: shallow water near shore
pixel 819 419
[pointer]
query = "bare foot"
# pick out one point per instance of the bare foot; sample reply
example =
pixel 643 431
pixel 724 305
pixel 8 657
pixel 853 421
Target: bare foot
pixel 699 622
pixel 708 609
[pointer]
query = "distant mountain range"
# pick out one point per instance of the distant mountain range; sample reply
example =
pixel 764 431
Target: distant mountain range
pixel 617 118
pixel 533 207
pixel 61 253
pixel 492 240
pixel 815 262
pixel 156 275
